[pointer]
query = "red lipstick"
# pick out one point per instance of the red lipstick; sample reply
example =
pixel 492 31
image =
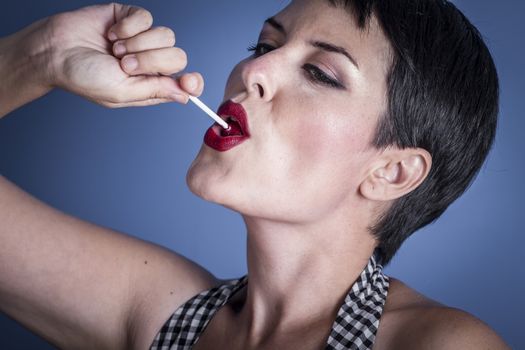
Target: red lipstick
pixel 223 140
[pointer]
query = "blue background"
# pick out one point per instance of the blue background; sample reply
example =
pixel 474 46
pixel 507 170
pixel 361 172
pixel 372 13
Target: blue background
pixel 125 168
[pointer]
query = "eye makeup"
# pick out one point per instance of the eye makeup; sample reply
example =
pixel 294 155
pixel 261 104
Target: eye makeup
pixel 312 71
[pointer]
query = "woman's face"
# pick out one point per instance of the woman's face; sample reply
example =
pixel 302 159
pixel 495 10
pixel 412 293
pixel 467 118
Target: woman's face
pixel 313 92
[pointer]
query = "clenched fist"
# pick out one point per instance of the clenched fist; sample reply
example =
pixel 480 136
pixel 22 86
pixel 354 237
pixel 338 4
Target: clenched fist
pixel 112 55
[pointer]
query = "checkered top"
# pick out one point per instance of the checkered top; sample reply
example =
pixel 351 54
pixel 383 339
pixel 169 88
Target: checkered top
pixel 355 326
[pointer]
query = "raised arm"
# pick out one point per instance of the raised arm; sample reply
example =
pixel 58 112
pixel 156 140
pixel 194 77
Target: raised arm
pixel 78 285
pixel 109 54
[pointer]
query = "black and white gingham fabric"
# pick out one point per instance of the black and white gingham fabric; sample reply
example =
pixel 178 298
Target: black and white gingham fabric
pixel 355 326
pixel 357 320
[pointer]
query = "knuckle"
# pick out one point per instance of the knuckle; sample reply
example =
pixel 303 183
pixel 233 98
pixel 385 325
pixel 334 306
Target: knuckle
pixel 156 88
pixel 155 95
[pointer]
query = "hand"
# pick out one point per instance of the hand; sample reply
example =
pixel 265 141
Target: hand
pixel 111 55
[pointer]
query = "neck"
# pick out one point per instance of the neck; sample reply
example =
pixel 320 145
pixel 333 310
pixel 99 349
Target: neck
pixel 300 274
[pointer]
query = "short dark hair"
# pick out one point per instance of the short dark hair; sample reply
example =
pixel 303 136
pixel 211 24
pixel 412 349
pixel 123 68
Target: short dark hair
pixel 442 96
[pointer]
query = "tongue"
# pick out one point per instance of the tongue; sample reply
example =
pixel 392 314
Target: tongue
pixel 233 130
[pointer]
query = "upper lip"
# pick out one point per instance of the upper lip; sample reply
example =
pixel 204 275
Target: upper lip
pixel 235 111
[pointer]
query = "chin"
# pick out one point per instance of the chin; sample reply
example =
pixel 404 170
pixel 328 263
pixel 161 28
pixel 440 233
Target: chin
pixel 205 178
pixel 196 177
pixel 210 179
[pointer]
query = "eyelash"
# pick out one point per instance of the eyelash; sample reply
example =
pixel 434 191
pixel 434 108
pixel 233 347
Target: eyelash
pixel 314 72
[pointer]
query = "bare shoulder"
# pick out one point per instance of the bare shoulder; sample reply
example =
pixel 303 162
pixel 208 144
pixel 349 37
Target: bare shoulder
pixel 412 321
pixel 163 281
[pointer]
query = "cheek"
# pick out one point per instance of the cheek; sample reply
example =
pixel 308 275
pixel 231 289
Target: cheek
pixel 323 138
pixel 313 142
pixel 328 150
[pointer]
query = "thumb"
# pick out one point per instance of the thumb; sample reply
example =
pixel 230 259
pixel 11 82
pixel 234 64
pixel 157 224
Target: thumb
pixel 193 83
pixel 149 87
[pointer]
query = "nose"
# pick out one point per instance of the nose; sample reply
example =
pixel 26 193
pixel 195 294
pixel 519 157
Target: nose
pixel 259 76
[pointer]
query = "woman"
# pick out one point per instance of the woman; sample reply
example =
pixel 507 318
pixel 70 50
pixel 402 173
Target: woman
pixel 326 199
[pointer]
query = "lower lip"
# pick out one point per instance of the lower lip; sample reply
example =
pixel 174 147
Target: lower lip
pixel 213 139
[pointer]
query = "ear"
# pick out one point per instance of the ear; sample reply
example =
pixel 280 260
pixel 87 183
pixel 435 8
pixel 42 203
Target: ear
pixel 396 173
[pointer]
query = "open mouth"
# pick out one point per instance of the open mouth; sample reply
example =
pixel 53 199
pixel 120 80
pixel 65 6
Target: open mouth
pixel 234 128
pixel 225 139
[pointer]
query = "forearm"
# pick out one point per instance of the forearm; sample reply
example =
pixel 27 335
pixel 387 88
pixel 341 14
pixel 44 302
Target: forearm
pixel 25 66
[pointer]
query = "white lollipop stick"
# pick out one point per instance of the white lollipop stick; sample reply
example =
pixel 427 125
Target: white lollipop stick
pixel 209 112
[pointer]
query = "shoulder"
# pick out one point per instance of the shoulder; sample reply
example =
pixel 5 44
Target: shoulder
pixel 412 321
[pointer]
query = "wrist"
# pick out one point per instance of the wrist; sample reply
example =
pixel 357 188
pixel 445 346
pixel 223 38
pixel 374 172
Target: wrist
pixel 36 49
pixel 25 66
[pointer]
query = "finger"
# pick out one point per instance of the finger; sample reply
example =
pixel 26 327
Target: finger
pixel 143 88
pixel 165 61
pixel 192 83
pixel 129 21
pixel 150 102
pixel 154 38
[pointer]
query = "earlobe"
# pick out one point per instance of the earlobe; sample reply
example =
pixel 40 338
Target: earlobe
pixel 396 173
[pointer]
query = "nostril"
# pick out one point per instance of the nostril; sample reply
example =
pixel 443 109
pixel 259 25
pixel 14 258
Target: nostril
pixel 261 90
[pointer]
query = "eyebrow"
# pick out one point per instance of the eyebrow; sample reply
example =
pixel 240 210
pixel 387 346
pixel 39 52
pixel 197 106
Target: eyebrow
pixel 318 44
pixel 273 22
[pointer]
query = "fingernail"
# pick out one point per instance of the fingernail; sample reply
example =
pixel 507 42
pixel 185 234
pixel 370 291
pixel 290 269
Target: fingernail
pixel 130 63
pixel 119 49
pixel 112 36
pixel 192 83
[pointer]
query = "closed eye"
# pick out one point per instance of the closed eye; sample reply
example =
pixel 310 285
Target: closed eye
pixel 314 73
pixel 318 75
